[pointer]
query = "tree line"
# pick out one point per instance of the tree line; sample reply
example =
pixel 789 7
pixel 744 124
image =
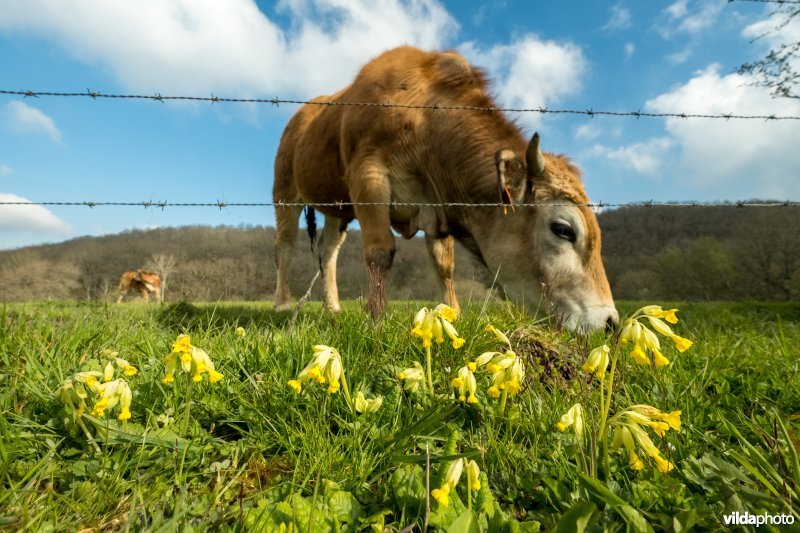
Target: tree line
pixel 658 252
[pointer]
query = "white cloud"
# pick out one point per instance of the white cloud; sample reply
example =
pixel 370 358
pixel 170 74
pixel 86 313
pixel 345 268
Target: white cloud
pixel 679 18
pixel 629 49
pixel 530 72
pixel 6 170
pixel 24 118
pixel 33 222
pixel 735 158
pixel 231 47
pixel 619 20
pixel 647 158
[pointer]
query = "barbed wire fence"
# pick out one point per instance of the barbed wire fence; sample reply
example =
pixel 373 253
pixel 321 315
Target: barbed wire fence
pixel 276 101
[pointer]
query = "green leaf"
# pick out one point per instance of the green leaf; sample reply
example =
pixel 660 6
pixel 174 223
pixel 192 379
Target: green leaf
pixel 577 518
pixel 407 487
pixel 466 523
pixel 633 518
pixel 344 506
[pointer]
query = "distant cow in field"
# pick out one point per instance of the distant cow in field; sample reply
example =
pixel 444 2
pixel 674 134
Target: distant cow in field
pixel 548 255
pixel 142 281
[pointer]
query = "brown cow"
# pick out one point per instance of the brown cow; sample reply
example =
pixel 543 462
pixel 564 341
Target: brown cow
pixel 548 255
pixel 142 281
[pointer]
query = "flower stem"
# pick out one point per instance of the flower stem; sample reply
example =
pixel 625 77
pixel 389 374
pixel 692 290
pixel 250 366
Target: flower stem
pixel 89 437
pixel 469 497
pixel 185 426
pixel 605 407
pixel 501 409
pixel 430 373
pixel 346 390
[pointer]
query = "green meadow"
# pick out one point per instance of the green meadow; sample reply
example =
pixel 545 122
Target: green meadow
pixel 248 453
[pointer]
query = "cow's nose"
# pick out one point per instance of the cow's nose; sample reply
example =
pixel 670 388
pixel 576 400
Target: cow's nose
pixel 611 324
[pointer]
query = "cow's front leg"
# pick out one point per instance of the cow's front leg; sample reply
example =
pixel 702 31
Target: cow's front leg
pixel 442 251
pixel 145 294
pixel 370 185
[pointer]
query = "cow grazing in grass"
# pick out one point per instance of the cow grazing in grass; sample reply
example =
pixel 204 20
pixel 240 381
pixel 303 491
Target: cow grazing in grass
pixel 142 281
pixel 543 256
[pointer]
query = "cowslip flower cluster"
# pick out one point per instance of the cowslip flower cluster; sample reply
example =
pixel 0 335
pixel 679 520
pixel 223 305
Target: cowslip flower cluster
pixel 112 393
pixel 629 433
pixel 457 467
pixel 77 389
pixel 572 418
pixel 240 332
pixel 191 359
pixel 597 362
pixel 367 406
pixel 431 325
pixel 325 367
pixel 645 341
pixel 507 369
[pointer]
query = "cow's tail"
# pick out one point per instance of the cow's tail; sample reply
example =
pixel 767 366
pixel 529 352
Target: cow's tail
pixel 311 225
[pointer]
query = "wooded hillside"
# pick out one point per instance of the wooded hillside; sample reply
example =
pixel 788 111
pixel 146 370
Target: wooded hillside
pixel 694 253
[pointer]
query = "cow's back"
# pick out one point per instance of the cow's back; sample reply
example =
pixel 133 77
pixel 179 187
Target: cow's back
pixel 320 142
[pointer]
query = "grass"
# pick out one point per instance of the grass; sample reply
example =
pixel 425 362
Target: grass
pixel 256 456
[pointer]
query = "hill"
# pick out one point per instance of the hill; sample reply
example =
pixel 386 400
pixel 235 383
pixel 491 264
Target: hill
pixel 687 253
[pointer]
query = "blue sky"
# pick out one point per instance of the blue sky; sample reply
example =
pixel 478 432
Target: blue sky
pixel 660 56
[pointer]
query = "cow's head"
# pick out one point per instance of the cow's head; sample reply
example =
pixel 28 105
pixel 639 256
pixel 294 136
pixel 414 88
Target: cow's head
pixel 559 242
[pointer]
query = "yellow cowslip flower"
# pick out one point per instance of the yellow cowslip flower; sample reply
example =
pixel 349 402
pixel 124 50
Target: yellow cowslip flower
pixel 645 341
pixel 681 343
pixel 127 368
pixel 108 372
pixel 412 377
pixel 89 378
pixel 473 475
pixel 597 362
pixel 623 436
pixel 433 325
pixel 182 344
pixel 325 367
pixel 629 424
pixel 113 393
pixel 363 405
pixel 466 385
pixel 240 332
pixel 657 312
pixel 193 360
pixel 125 397
pixel 673 419
pixel 572 418
pixel 499 335
pixel 442 494
pixel 508 373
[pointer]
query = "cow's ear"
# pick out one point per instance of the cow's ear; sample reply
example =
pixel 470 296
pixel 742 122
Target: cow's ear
pixel 511 177
pixel 535 160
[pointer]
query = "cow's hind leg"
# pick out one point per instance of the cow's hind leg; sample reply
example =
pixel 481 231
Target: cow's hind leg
pixel 285 239
pixel 121 294
pixel 442 251
pixel 333 236
pixel 371 185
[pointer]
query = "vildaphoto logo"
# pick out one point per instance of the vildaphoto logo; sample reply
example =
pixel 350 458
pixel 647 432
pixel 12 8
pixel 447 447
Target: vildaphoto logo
pixel 746 519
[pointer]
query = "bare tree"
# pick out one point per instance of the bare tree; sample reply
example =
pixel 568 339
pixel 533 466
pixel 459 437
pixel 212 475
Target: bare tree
pixel 779 70
pixel 163 265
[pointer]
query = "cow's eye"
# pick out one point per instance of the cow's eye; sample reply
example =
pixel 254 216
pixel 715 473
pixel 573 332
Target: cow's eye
pixel 563 230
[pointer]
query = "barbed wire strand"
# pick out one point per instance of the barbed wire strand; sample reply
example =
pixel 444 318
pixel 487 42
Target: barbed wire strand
pixel 435 107
pixel 788 2
pixel 221 205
